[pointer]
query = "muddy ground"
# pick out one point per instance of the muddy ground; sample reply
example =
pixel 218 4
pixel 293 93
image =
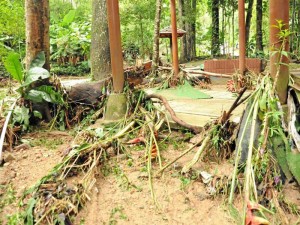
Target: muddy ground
pixel 122 192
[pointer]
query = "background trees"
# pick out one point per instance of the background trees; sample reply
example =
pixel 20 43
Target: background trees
pixel 211 27
pixel 37 31
pixel 100 55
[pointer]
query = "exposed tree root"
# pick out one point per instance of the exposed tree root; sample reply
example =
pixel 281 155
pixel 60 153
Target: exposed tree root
pixel 195 129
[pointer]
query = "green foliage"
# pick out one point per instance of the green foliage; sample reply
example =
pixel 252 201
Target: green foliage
pixel 12 26
pixel 14 67
pixel 21 116
pixel 44 93
pixel 69 18
pixel 34 74
pixel 38 61
pixel 137 24
pixel 80 69
pixel 70 40
pixel 28 89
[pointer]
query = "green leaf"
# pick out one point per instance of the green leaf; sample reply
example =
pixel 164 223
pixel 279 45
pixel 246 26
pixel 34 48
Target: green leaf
pixel 285 53
pixel 263 102
pixel 21 116
pixel 39 60
pixel 69 18
pixel 29 211
pixel 14 67
pixel 37 114
pixel 34 74
pixel 55 96
pixel 37 96
pixel 44 93
pixel 293 160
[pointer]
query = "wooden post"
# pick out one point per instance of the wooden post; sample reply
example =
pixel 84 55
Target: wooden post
pixel 174 38
pixel 242 37
pixel 115 45
pixel 279 10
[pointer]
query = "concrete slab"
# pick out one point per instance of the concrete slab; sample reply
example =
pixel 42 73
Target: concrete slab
pixel 199 112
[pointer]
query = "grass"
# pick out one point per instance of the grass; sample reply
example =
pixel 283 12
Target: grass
pixel 117 213
pixel 50 144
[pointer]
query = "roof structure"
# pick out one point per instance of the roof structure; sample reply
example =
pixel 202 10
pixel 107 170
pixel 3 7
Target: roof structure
pixel 167 32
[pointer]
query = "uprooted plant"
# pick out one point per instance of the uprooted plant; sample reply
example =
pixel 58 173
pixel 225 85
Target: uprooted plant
pixel 266 159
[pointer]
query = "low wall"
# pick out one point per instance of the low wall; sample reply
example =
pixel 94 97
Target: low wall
pixel 230 66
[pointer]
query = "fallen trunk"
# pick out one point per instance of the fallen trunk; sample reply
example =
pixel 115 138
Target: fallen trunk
pixel 87 93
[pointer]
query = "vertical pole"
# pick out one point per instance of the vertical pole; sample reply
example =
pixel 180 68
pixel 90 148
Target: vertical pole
pixel 279 10
pixel 115 45
pixel 174 38
pixel 242 37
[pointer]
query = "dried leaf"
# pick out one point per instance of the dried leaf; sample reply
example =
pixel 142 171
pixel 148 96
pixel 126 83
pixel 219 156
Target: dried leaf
pixel 136 140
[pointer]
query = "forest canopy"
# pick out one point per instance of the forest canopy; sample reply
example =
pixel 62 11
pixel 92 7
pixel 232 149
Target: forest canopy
pixel 70 29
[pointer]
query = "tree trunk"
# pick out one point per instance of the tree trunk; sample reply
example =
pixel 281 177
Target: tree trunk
pixel 190 27
pixel 155 63
pixel 215 42
pixel 248 21
pixel 193 29
pixel 223 28
pixel 142 37
pixel 298 31
pixel 292 37
pixel 38 40
pixel 100 52
pixel 233 27
pixel 259 33
pixel 181 10
pixel 37 31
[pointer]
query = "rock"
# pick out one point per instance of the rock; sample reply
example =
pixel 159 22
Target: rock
pixel 3 182
pixel 8 157
pixel 12 175
pixel 22 147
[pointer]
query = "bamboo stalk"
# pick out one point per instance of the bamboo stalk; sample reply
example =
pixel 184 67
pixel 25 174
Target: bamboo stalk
pixel 201 72
pixel 197 156
pixel 5 128
pixel 248 170
pixel 238 153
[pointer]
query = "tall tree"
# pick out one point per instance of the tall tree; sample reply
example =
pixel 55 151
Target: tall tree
pixel 292 37
pixel 181 10
pixel 38 40
pixel 215 42
pixel 187 14
pixel 259 33
pixel 298 31
pixel 191 28
pixel 156 35
pixel 37 30
pixel 100 52
pixel 248 20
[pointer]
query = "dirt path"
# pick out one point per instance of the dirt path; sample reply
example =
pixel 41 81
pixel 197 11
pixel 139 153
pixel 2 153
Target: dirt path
pixel 124 197
pixel 122 192
pixel 26 166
